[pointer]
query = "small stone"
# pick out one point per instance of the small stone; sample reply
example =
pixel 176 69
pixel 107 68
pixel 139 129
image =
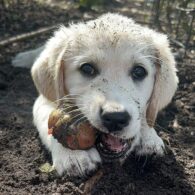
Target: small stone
pixel 192 166
pixel 179 103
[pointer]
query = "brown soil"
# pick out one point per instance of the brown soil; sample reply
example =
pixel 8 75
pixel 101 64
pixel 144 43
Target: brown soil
pixel 21 152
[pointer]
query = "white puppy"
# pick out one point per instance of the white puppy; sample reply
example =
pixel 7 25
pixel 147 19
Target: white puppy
pixel 118 73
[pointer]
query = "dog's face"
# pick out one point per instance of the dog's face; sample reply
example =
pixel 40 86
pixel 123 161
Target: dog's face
pixel 113 84
pixel 114 70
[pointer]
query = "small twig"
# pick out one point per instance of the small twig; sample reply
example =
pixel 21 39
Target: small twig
pixel 157 13
pixel 178 23
pixel 190 31
pixel 168 13
pixel 185 9
pixel 89 184
pixel 176 42
pixel 25 36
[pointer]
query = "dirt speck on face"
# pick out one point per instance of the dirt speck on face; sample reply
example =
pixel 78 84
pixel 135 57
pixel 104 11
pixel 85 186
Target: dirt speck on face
pixel 22 154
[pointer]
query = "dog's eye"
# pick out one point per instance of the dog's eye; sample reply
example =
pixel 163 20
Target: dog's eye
pixel 88 70
pixel 138 72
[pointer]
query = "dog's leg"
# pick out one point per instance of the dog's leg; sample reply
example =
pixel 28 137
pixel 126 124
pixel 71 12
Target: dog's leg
pixel 70 162
pixel 150 143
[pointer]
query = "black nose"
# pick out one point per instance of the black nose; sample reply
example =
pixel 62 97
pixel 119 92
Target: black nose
pixel 115 121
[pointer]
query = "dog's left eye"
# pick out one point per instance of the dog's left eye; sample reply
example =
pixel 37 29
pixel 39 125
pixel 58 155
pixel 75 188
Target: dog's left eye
pixel 138 72
pixel 88 70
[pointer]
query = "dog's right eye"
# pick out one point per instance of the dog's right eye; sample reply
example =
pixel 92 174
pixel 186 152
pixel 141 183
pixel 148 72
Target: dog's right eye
pixel 138 73
pixel 88 70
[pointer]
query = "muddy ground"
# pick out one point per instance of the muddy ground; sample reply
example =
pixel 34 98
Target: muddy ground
pixel 21 153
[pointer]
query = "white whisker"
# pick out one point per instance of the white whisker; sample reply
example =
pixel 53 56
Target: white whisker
pixel 80 114
pixel 72 111
pixel 79 120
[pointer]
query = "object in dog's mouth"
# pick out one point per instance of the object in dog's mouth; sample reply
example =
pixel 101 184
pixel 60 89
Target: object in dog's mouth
pixel 76 136
pixel 83 136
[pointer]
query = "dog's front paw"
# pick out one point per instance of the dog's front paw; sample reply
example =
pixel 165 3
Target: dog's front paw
pixel 150 143
pixel 75 162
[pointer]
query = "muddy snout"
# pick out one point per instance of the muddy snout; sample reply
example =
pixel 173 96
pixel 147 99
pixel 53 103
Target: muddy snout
pixel 114 117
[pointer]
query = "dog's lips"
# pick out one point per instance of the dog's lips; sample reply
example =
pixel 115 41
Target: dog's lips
pixel 113 143
pixel 111 147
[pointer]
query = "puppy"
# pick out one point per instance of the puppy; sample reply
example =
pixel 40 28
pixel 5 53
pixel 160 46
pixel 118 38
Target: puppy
pixel 119 75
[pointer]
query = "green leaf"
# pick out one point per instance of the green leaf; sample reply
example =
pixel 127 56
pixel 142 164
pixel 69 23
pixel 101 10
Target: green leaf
pixel 46 168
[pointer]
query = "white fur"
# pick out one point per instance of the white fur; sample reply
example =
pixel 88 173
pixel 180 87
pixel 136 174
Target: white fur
pixel 72 162
pixel 114 44
pixel 27 58
pixel 150 143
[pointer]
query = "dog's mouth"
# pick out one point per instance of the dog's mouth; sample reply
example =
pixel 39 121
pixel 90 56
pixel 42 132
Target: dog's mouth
pixel 111 147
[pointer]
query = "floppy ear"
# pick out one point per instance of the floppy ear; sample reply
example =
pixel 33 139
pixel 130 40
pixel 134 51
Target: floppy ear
pixel 166 80
pixel 48 71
